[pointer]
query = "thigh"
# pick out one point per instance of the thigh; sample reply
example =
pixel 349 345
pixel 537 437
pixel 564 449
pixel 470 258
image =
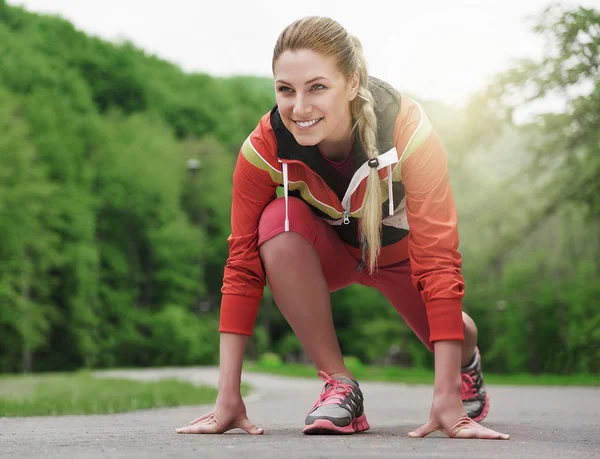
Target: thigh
pixel 338 264
pixel 395 283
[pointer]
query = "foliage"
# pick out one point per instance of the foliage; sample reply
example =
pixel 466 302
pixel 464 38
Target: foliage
pixel 113 249
pixel 81 393
pixel 561 94
pixel 106 240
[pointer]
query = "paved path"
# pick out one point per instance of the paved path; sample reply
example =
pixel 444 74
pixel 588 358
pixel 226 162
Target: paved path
pixel 544 422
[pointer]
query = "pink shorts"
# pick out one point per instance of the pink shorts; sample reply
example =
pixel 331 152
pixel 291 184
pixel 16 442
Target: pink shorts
pixel 339 264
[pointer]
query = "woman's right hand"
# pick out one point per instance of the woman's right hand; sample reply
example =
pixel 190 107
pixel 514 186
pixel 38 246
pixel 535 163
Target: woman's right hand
pixel 229 413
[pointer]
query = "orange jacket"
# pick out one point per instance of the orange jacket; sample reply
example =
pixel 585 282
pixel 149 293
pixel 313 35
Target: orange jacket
pixel 421 223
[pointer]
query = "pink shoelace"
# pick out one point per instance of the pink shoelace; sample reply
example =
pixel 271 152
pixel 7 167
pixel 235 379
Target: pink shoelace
pixel 467 386
pixel 334 391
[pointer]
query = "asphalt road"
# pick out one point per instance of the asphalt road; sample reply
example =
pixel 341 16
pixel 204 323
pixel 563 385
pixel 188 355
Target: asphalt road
pixel 547 422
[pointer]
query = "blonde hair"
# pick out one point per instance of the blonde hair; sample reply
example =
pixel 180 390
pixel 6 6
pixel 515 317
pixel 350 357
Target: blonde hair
pixel 328 38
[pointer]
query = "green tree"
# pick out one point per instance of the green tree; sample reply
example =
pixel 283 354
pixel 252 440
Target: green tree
pixel 565 142
pixel 28 253
pixel 528 241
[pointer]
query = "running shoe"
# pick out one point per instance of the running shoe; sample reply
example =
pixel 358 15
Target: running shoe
pixel 339 409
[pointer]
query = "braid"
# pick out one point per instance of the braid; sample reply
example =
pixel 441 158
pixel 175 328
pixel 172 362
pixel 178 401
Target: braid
pixel 366 125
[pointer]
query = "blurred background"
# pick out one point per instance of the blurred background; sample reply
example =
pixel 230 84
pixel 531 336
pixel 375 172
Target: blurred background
pixel 120 122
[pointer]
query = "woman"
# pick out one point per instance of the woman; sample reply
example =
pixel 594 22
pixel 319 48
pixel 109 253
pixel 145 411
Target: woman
pixel 366 200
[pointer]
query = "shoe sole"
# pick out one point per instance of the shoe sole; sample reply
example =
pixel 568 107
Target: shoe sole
pixel 484 413
pixel 326 427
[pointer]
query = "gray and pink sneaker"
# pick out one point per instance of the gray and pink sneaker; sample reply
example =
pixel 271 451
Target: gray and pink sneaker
pixel 339 409
pixel 472 392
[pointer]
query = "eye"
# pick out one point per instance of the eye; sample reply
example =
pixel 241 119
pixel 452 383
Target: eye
pixel 284 89
pixel 318 87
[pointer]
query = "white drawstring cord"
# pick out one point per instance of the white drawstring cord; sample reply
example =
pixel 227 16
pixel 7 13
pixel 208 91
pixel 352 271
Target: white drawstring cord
pixel 390 190
pixel 285 193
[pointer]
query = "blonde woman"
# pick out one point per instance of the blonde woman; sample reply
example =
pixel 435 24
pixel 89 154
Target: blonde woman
pixel 366 200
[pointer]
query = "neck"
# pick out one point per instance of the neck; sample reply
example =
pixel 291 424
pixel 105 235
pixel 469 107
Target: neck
pixel 337 147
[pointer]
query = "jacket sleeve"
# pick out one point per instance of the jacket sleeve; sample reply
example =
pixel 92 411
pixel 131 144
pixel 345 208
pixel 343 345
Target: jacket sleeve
pixel 431 213
pixel 244 277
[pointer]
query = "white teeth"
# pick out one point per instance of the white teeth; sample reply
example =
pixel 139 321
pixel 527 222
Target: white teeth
pixel 306 123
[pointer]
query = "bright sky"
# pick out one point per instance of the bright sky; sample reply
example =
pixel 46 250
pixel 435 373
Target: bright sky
pixel 435 49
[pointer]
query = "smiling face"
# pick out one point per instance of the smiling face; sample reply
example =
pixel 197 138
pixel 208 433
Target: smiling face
pixel 314 97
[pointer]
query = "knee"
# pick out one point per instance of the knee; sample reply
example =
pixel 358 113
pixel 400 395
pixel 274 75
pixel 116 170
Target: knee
pixel 283 248
pixel 470 327
pixel 272 216
pixel 278 245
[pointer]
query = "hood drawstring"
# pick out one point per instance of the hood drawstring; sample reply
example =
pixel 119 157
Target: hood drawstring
pixel 285 194
pixel 390 190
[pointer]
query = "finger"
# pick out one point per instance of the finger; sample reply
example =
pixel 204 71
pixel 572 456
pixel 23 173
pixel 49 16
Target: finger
pixel 199 428
pixel 424 430
pixel 474 430
pixel 201 418
pixel 246 425
pixel 485 433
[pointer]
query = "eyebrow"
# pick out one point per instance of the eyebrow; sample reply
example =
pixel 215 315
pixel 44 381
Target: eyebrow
pixel 308 82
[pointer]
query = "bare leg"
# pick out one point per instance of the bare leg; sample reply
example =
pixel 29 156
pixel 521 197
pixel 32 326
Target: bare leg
pixel 300 291
pixel 470 342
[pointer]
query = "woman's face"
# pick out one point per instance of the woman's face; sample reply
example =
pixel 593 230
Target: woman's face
pixel 313 97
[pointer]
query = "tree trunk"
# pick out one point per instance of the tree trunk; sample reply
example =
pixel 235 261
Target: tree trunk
pixel 27 357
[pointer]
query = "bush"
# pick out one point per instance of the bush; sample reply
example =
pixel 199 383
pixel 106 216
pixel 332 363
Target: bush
pixel 180 337
pixel 354 364
pixel 289 348
pixel 270 360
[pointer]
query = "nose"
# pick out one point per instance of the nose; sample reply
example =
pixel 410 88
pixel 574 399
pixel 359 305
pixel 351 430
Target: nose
pixel 301 107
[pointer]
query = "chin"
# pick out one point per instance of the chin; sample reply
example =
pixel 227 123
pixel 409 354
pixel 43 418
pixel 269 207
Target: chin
pixel 306 141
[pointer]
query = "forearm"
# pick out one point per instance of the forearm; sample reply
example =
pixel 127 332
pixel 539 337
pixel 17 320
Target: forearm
pixel 232 349
pixel 447 356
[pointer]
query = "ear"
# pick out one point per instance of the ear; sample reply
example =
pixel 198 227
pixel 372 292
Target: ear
pixel 353 85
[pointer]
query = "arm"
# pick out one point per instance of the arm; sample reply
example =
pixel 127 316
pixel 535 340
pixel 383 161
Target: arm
pixel 232 348
pixel 435 260
pixel 244 277
pixel 436 268
pixel 447 368
pixel 431 213
pixel 243 284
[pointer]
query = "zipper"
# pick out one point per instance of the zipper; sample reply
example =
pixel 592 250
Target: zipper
pixel 363 246
pixel 347 214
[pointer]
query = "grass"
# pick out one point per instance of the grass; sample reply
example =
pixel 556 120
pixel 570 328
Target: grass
pixel 420 376
pixel 80 393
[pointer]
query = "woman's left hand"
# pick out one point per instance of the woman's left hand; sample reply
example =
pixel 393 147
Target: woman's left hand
pixel 448 415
